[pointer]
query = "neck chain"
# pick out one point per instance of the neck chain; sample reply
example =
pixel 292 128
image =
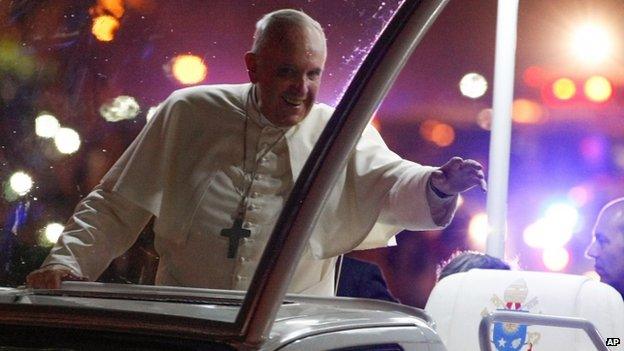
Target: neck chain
pixel 250 175
pixel 237 232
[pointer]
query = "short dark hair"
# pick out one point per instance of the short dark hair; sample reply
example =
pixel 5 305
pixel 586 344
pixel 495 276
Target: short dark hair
pixel 463 261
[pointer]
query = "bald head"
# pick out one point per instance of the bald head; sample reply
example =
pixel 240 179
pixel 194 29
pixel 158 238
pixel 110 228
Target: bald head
pixel 607 246
pixel 613 212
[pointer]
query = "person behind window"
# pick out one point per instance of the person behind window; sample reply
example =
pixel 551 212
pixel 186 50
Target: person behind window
pixel 463 261
pixel 216 163
pixel 607 246
pixel 362 279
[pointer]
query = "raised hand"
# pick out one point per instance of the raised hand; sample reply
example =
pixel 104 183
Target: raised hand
pixel 458 175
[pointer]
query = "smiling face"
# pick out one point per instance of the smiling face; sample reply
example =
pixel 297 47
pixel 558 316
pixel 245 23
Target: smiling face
pixel 607 247
pixel 287 73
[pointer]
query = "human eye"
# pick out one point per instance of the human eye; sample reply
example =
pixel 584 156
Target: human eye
pixel 314 75
pixel 601 239
pixel 285 71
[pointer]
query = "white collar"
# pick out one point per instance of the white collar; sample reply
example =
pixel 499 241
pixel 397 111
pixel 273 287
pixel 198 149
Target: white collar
pixel 253 110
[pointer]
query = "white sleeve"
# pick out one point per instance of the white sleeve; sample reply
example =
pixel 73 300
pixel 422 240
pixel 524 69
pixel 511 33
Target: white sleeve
pixel 442 208
pixel 103 226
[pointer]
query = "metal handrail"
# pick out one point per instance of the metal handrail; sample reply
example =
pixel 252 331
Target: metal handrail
pixel 537 319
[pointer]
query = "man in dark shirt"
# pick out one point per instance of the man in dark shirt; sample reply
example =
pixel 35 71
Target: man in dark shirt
pixel 362 279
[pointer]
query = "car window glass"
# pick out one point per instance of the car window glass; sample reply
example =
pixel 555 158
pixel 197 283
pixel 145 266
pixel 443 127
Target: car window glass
pixel 80 80
pixel 565 160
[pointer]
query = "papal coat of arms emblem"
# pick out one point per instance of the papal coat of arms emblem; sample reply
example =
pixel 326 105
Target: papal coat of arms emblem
pixel 511 336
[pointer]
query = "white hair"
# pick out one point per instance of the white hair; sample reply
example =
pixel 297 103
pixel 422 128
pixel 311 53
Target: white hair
pixel 278 20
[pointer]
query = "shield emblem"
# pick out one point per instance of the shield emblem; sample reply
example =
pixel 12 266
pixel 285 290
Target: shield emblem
pixel 509 336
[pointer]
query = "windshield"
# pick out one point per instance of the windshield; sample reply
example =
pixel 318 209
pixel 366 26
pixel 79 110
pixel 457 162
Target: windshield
pixel 79 81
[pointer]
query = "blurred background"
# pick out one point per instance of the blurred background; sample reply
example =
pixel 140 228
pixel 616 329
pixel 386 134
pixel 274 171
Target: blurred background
pixel 78 80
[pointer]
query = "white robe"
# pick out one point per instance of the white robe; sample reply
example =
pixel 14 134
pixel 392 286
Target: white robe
pixel 185 168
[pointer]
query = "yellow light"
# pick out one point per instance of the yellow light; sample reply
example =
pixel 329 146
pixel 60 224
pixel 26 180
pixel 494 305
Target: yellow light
pixel 478 230
pixel 556 258
pixel 189 69
pixel 598 89
pixel 564 89
pixel 115 7
pixel 526 111
pixel 104 27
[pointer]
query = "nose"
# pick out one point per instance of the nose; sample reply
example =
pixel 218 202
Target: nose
pixel 592 250
pixel 299 86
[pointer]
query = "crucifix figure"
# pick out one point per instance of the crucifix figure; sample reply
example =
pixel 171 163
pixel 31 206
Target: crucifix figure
pixel 235 233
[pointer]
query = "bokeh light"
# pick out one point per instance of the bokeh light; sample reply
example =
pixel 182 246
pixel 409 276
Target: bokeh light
pixel 473 85
pixel 443 135
pixel 478 229
pixel 554 229
pixel 591 43
pixel 46 125
pixel 566 215
pixel 114 7
pixel 105 27
pixel 52 232
pixel 67 141
pixel 189 69
pixel 426 128
pixel 120 108
pixel 21 183
pixel 16 59
pixel 598 89
pixel 555 259
pixel 593 149
pixel 579 195
pixel 527 111
pixel 484 119
pixel 564 89
pixel 534 76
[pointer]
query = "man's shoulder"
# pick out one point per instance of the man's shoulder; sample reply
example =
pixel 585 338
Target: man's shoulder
pixel 218 94
pixel 322 110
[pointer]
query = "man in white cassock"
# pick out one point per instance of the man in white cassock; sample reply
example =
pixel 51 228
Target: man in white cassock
pixel 216 163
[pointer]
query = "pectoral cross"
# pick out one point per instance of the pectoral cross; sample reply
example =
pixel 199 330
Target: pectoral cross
pixel 235 233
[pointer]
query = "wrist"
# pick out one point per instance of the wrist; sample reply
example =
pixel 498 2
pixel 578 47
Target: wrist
pixel 439 193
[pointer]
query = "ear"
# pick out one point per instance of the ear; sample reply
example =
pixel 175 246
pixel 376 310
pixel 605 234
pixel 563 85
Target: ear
pixel 251 61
